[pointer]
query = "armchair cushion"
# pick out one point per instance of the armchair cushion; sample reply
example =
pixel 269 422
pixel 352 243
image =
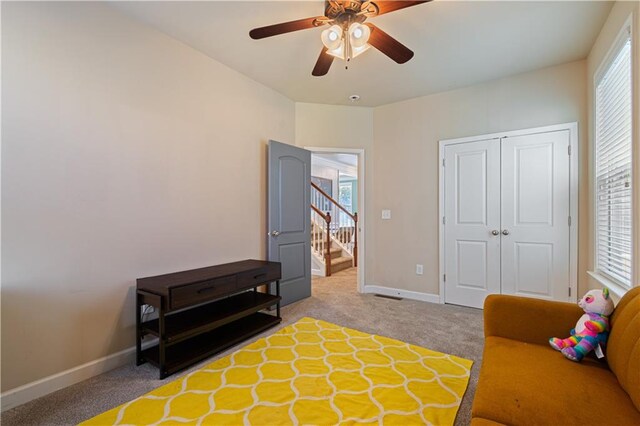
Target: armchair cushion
pixel 525 383
pixel 623 346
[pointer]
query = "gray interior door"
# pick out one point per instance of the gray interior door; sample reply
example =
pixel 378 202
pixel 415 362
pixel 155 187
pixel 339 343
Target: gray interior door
pixel 289 218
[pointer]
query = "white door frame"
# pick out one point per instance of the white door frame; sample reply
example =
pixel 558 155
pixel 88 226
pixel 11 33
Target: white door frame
pixel 361 202
pixel 573 196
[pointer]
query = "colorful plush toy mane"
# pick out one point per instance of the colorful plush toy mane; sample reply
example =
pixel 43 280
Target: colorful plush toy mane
pixel 592 329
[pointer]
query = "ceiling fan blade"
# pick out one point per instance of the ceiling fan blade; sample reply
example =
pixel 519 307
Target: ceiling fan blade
pixel 286 27
pixel 390 6
pixel 389 45
pixel 323 64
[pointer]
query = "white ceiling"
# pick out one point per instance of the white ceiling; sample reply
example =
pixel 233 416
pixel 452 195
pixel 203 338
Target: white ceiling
pixel 346 164
pixel 346 159
pixel 456 44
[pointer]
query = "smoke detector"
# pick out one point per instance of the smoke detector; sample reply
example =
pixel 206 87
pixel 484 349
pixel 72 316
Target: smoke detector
pixel 354 98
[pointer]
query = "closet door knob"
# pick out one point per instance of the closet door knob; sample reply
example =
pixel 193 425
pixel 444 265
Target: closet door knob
pixel 495 232
pixel 505 232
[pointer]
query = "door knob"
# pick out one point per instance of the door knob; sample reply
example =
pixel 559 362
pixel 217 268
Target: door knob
pixel 495 232
pixel 275 233
pixel 505 232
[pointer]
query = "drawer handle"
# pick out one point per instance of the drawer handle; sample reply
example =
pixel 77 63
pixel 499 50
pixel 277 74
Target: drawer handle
pixel 204 290
pixel 255 277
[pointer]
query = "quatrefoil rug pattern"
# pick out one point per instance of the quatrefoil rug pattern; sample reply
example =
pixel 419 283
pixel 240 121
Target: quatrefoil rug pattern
pixel 311 372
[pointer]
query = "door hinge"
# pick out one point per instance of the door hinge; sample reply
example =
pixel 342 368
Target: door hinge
pixel 569 291
pixel 444 220
pixel 443 162
pixel 569 220
pixel 444 277
pixel 569 149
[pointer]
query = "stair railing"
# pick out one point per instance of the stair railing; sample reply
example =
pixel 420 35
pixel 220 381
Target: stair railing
pixel 344 230
pixel 321 237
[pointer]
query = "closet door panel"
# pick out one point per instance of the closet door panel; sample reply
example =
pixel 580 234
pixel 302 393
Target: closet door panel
pixel 472 211
pixel 535 214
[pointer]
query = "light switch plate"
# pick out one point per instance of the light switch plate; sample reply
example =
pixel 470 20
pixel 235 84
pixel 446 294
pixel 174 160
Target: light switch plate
pixel 386 214
pixel 419 269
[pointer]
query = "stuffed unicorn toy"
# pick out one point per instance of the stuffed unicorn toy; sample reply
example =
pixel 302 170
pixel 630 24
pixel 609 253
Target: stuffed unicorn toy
pixel 592 328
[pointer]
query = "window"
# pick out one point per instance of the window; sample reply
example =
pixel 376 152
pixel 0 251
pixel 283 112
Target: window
pixel 613 204
pixel 345 196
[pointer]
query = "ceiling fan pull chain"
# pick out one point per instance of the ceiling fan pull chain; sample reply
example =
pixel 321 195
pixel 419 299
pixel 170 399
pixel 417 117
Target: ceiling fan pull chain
pixel 347 57
pixel 347 42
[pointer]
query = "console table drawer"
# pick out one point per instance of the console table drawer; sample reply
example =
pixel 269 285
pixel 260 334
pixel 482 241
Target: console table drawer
pixel 201 292
pixel 258 276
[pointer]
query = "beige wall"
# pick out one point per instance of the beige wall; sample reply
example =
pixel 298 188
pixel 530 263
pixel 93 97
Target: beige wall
pixel 405 161
pixel 617 17
pixel 330 126
pixel 125 154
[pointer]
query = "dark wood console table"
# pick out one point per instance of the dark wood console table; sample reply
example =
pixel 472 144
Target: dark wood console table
pixel 204 311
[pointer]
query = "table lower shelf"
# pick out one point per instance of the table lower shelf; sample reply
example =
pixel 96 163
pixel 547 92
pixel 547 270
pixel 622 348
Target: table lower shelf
pixel 188 352
pixel 201 319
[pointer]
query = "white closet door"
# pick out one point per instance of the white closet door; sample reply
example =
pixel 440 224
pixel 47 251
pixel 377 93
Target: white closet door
pixel 472 212
pixel 535 215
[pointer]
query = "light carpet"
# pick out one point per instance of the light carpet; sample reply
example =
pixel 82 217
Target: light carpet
pixel 311 372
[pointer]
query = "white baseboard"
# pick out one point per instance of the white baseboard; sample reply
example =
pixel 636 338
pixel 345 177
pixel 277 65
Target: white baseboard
pixel 317 273
pixel 30 391
pixel 406 294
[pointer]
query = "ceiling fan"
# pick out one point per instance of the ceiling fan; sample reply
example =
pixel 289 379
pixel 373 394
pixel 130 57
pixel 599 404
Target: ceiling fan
pixel 348 35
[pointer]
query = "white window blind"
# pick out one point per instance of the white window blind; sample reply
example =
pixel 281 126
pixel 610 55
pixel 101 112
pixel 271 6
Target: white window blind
pixel 613 166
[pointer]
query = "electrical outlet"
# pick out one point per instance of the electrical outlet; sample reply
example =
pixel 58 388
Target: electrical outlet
pixel 386 214
pixel 419 269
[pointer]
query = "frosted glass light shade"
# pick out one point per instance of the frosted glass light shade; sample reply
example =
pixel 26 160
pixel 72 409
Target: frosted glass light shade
pixel 355 51
pixel 358 35
pixel 338 52
pixel 332 37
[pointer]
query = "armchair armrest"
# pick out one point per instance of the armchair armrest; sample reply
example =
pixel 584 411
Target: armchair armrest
pixel 528 320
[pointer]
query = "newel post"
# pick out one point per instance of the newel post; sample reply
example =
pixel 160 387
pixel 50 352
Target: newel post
pixel 327 255
pixel 355 239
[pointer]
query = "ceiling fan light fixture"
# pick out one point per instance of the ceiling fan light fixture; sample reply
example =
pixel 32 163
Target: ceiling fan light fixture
pixel 358 35
pixel 346 36
pixel 338 52
pixel 332 37
pixel 355 51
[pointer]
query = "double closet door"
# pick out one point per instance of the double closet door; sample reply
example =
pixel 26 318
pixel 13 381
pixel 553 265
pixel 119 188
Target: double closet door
pixel 506 224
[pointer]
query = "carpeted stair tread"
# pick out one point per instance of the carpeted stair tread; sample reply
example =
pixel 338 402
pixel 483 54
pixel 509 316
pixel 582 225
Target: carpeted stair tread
pixel 341 263
pixel 336 253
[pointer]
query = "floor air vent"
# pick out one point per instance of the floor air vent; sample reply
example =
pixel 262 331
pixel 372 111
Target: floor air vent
pixel 388 297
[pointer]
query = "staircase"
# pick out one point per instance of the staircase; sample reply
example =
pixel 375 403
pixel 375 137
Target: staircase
pixel 340 259
pixel 334 237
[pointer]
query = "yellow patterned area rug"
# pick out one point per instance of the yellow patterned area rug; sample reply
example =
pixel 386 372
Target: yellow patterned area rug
pixel 311 372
